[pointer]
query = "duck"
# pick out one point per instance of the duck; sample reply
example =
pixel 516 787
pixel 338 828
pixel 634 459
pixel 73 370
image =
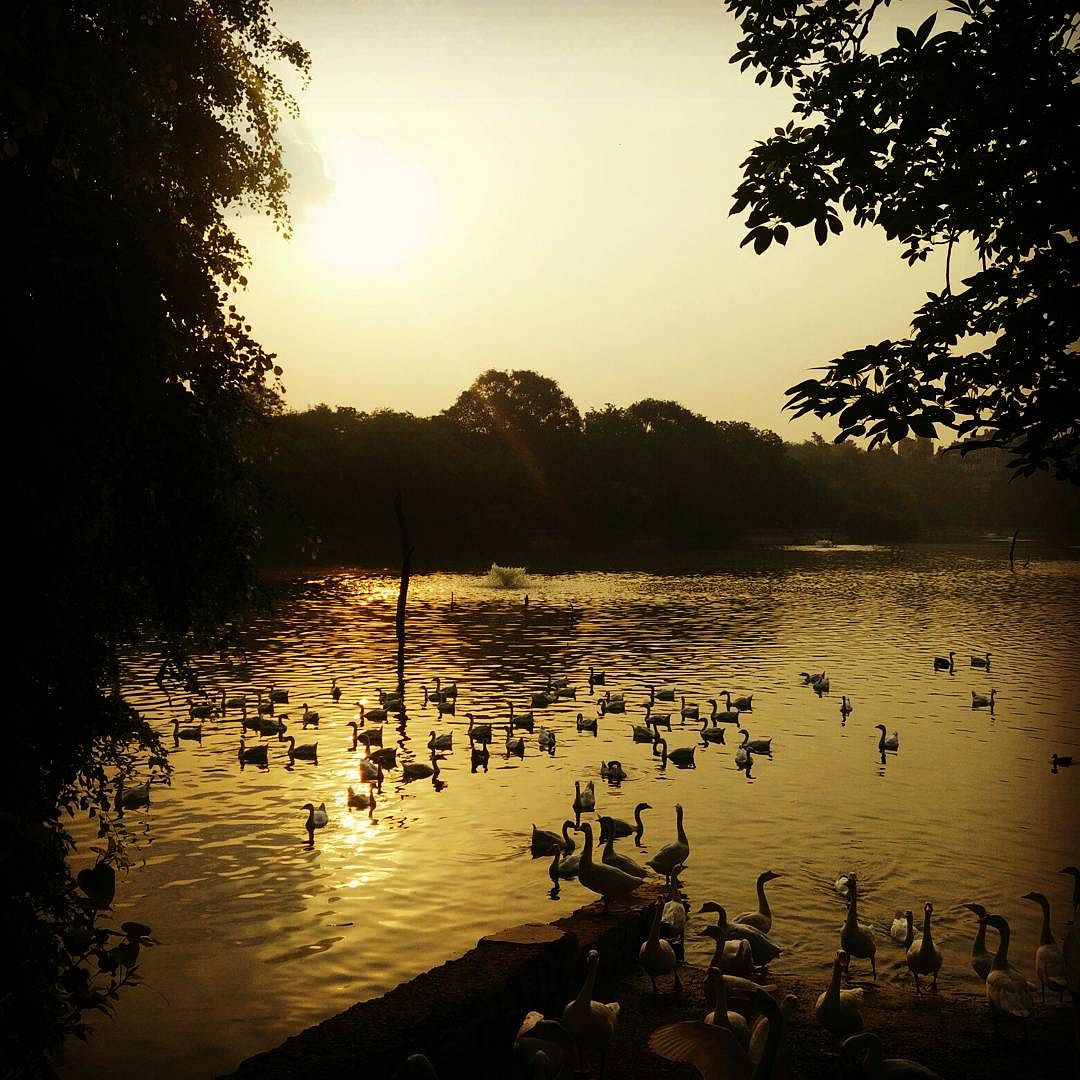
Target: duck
pixel 1007 990
pixel 892 742
pixel 441 742
pixel 981 661
pixel 133 798
pixel 642 733
pixel 725 716
pixel 514 744
pixel 598 678
pixel 657 720
pixel 522 722
pixel 253 755
pixel 674 854
pixel 371 772
pixel 310 717
pixel 546 740
pixel 591 1023
pixel 923 956
pixel 480 733
pixel 681 756
pixel 417 770
pixel 902 930
pixel 545 842
pixel 587 725
pixel 304 752
pixel 945 663
pixel 335 691
pixel 656 955
pixel 983 701
pixel 317 818
pixel 609 882
pixel 584 800
pixel 711 734
pixel 619 828
pixel 716 996
pixel 763 948
pixel 757 746
pixel 613 858
pixel 762 918
pixel 1049 959
pixel 666 694
pixel 191 733
pixel 836 1009
pixel 612 770
pixel 544 1048
pixel 864 1051
pixel 688 712
pixel 855 939
pixel 739 704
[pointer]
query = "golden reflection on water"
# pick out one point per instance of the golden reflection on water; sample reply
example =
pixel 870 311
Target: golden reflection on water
pixel 262 935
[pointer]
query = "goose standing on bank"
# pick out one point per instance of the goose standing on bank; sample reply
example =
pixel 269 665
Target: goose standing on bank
pixel 762 918
pixel 656 955
pixel 591 1023
pixel 924 957
pixel 763 949
pixel 620 828
pixel 983 701
pixel 887 742
pixel 855 939
pixel 1049 959
pixel 836 1009
pixel 864 1050
pixel 675 854
pixel 609 882
pixel 544 1048
pixel 945 663
pixel 1006 989
pixel 982 960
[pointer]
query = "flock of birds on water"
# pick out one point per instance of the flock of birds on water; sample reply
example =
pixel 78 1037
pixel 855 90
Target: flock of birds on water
pixel 727 1043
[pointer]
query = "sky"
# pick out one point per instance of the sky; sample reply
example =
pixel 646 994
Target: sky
pixel 546 185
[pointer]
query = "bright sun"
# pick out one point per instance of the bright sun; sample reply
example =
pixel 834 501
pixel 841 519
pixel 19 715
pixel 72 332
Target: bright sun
pixel 379 215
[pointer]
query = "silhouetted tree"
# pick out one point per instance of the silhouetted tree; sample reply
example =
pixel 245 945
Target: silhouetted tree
pixel 952 136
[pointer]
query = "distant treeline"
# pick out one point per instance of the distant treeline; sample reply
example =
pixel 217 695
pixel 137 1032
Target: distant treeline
pixel 512 471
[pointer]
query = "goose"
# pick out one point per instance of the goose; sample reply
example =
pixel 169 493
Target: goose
pixel 612 770
pixel 739 704
pixel 657 720
pixel 385 756
pixel 923 956
pixel 609 882
pixel 660 695
pixel 563 867
pixel 253 755
pixel 584 800
pixel 514 745
pixel 613 858
pixel 763 948
pixel 809 678
pixel 560 683
pixel 392 702
pixel 203 711
pixel 674 854
pixel 233 702
pixel 618 828
pixel 441 742
pixel 480 733
pixel 673 918
pixel 716 996
pixel 902 930
pixel 598 678
pixel 317 817
pixel 566 692
pixel 1006 989
pixel 186 732
pixel 263 726
pixel 725 716
pixel 378 715
pixel 417 770
pixel 743 758
pixel 419 1067
pixel 982 960
pixel 1056 761
pixel 762 918
pixel 711 734
pixel 371 737
pixel 656 955
pixel 982 701
pixel 546 740
pixel 734 957
pixel 855 939
pixel 544 1048
pixel 642 734
pixel 846 707
pixel 836 1009
pixel 542 700
pixel 714 1050
pixel 524 722
pixel 945 663
pixel 756 746
pixel 864 1050
pixel 587 725
pixel 447 691
pixel 371 772
pixel 892 742
pixel 545 842
pixel 263 708
pixel 688 712
pixel 981 661
pixel 591 1023
pixel 447 707
pixel 305 752
pixel 134 798
pixel 278 697
pixel 355 735
pixel 1049 959
pixel 606 706
pixel 335 691
pixel 1074 873
pixel 821 686
pixel 843 885
pixel 359 800
pixel 310 717
pixel 681 756
pixel 479 756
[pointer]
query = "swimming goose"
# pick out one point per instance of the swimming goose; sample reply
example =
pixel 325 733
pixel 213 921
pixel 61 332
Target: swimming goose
pixel 385 756
pixel 522 722
pixel 762 918
pixel 278 697
pixel 417 770
pixel 945 663
pixel 305 752
pixel 371 772
pixel 606 706
pixel 757 746
pixel 1006 989
pixel 591 1023
pixel 584 801
pixel 597 677
pixel 563 867
pixel 809 678
pixel 763 948
pixel 657 720
pixel 447 691
pixel 379 716
pixel 642 734
pixel 902 930
pixel 609 882
pixel 441 742
pixel 855 939
pixel 890 743
pixel 514 745
pixel 675 854
pixel 310 717
pixel 1074 873
pixel 203 711
pixel 1057 760
pixel 836 1009
pixel 186 732
pixel 1049 959
pixel 134 798
pixel 615 699
pixel 544 1048
pixel 924 957
pixel 716 996
pixel 372 736
pixel 253 755
pixel 711 734
pixel 682 756
pixel 335 691
pixel 263 708
pixel 619 828
pixel 845 707
pixel 981 661
pixel 613 858
pixel 743 758
pixel 317 818
pixel 821 686
pixel 725 716
pixel 982 701
pixel 546 740
pixel 542 700
pixel 660 695
pixel 740 704
pixel 479 756
pixel 447 707
pixel 612 770
pixel 688 712
pixel 587 725
pixel 656 955
pixel 545 842
pixel 480 733
pixel 233 702
pixel 864 1050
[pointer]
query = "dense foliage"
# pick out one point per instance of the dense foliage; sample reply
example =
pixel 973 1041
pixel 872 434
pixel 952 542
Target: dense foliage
pixel 130 131
pixel 635 483
pixel 959 132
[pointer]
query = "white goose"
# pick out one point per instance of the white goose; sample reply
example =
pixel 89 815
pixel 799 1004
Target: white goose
pixel 902 930
pixel 890 742
pixel 720 1014
pixel 371 772
pixel 1049 959
pixel 1006 990
pixel 609 882
pixel 544 1048
pixel 317 818
pixel 983 701
pixel 675 854
pixel 923 956
pixel 584 799
pixel 836 1009
pixel 591 1023
pixel 763 948
pixel 656 955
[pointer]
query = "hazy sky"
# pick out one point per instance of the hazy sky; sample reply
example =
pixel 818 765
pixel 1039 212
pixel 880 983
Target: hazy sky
pixel 546 185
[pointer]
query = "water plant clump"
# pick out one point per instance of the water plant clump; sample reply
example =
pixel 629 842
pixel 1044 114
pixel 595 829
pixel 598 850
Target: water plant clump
pixel 506 577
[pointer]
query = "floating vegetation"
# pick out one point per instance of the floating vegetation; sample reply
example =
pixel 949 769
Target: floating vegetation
pixel 506 577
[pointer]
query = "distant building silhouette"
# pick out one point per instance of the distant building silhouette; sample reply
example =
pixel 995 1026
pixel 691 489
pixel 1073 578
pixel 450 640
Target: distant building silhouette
pixel 916 448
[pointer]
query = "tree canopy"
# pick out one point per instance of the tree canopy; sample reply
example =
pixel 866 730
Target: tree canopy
pixel 960 131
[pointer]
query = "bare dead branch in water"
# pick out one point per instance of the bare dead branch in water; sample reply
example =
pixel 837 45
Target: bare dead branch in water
pixel 1012 552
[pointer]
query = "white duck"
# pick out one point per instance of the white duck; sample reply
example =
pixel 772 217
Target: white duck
pixel 675 854
pixel 1049 959
pixel 923 956
pixel 856 939
pixel 591 1023
pixel 1006 990
pixel 836 1009
pixel 656 955
pixel 762 918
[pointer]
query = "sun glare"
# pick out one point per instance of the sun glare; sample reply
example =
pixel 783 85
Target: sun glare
pixel 379 215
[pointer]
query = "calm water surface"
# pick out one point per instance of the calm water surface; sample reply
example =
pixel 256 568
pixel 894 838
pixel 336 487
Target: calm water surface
pixel 261 936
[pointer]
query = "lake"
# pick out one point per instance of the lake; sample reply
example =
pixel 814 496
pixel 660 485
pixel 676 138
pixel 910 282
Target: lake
pixel 261 935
